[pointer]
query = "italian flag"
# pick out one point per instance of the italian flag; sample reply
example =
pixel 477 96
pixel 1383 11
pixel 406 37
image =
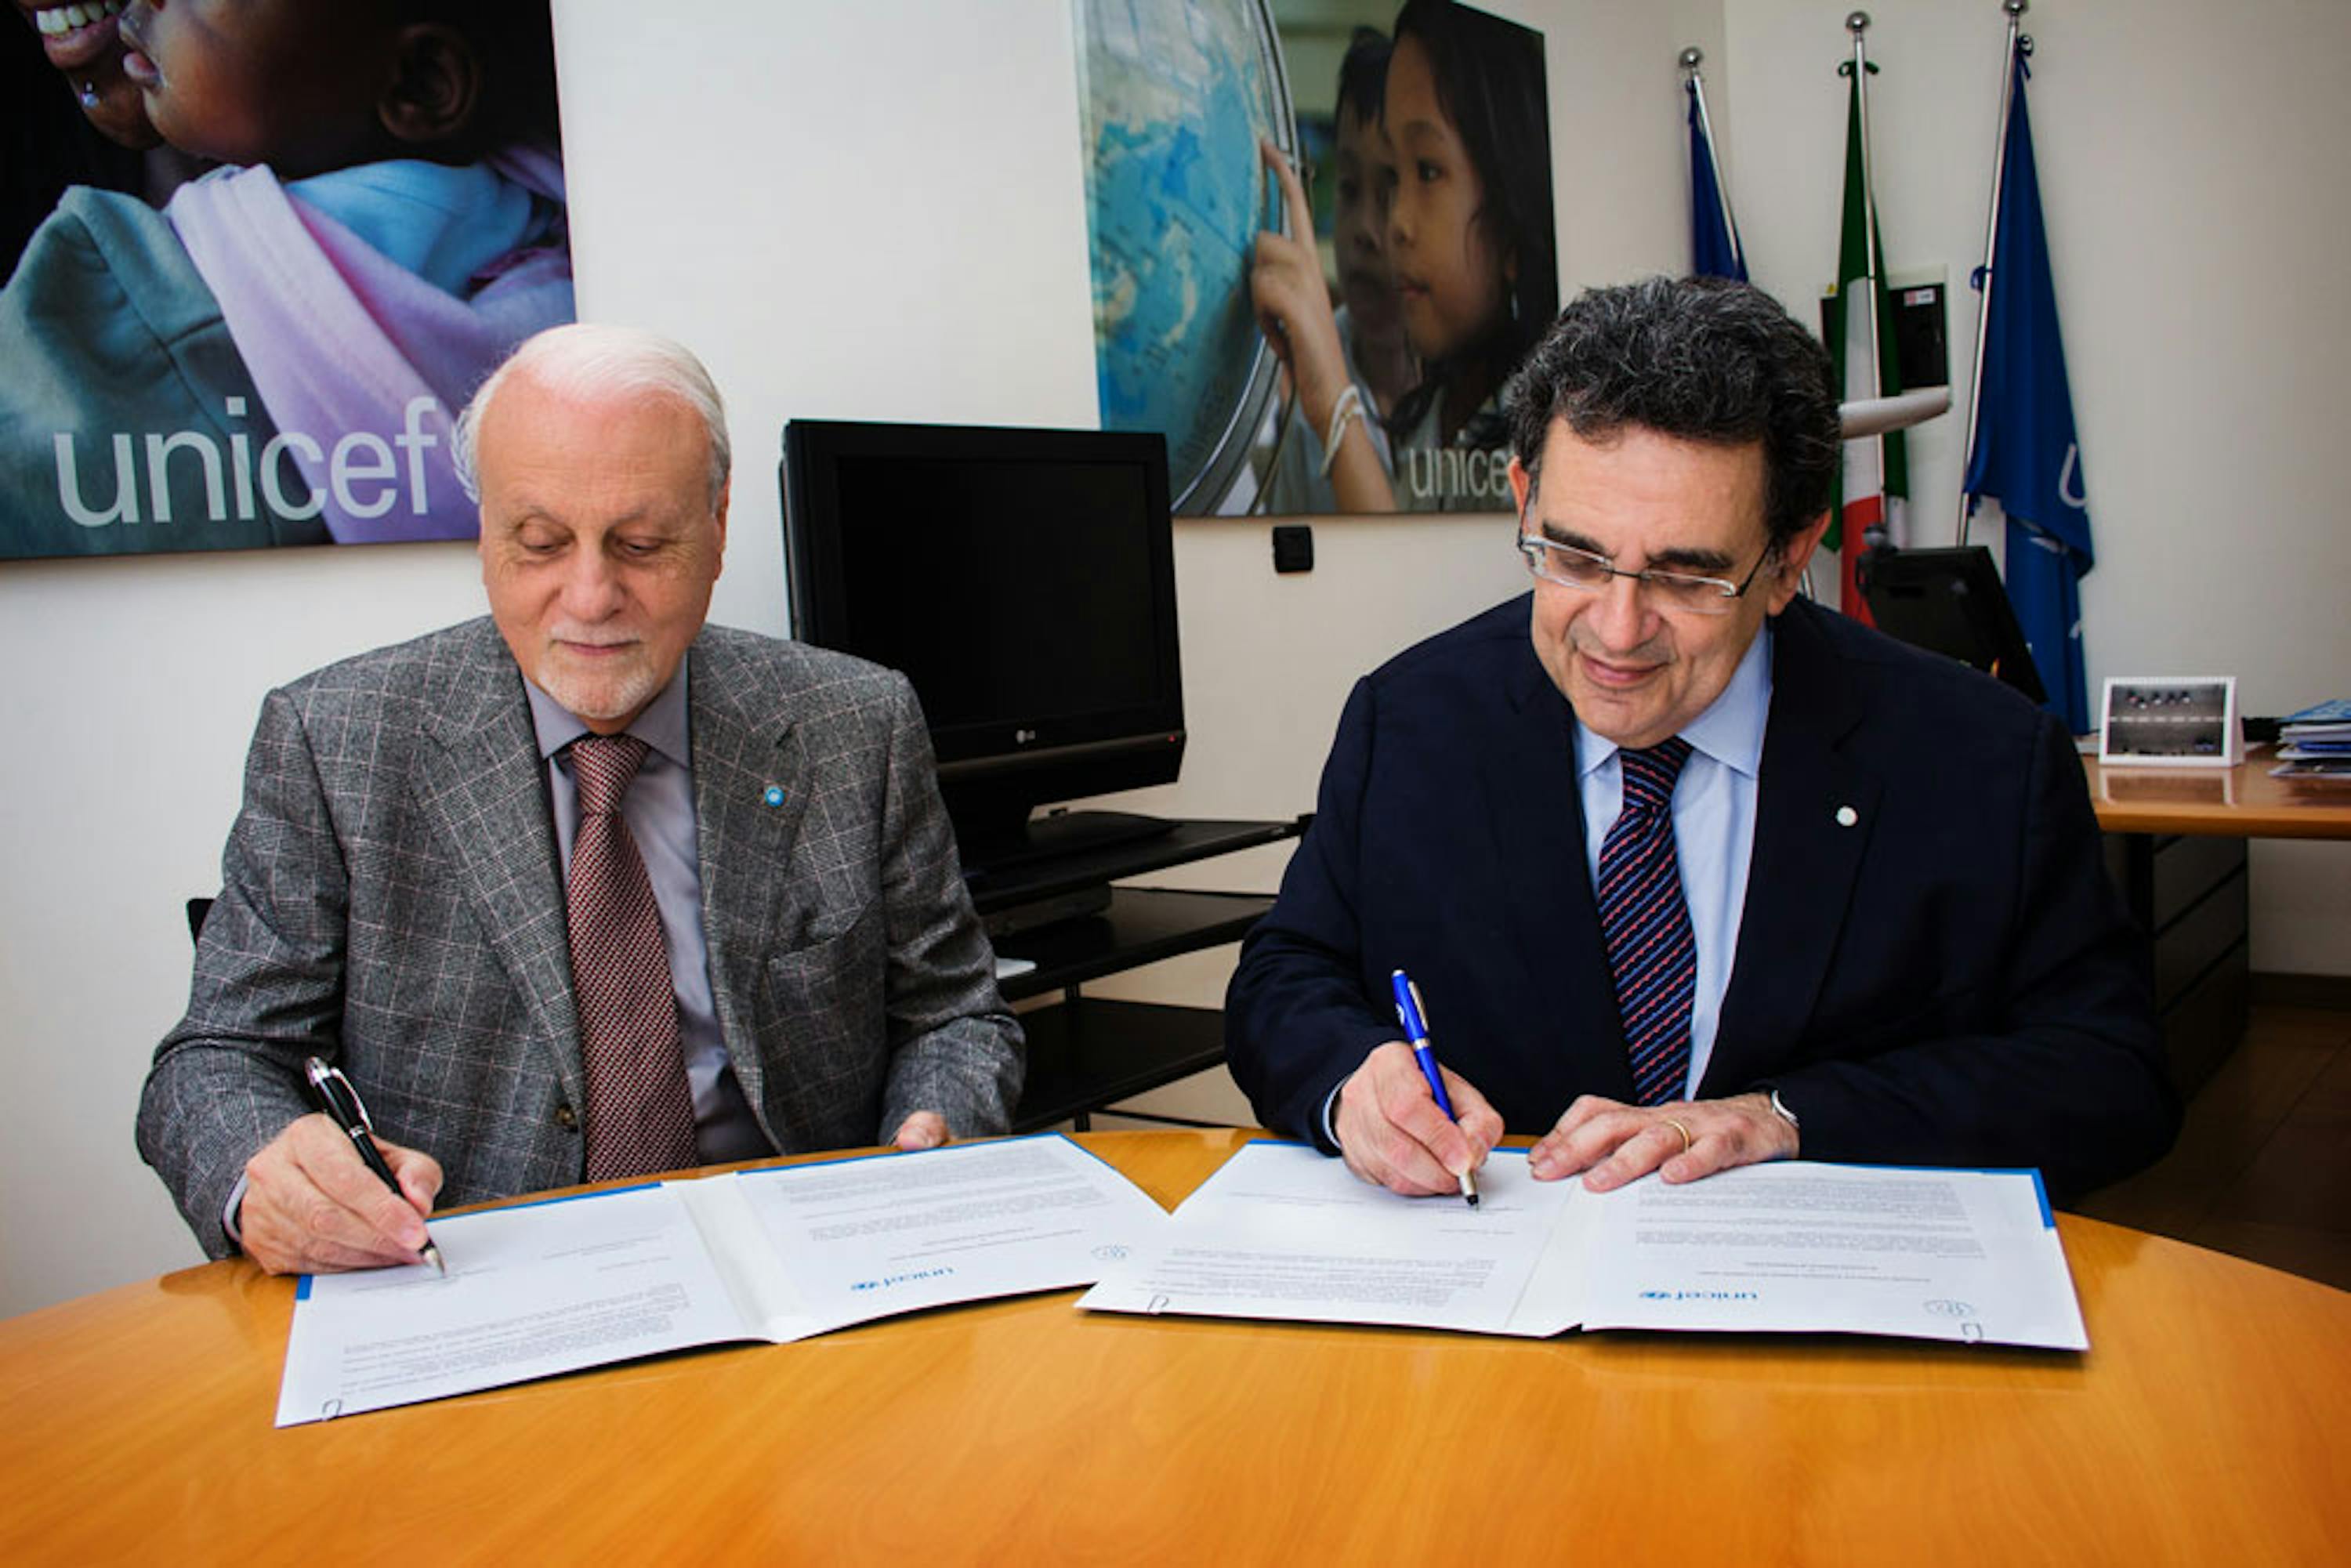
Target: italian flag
pixel 1868 498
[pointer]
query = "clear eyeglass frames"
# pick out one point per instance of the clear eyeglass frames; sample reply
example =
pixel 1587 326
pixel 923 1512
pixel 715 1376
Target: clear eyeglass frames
pixel 1588 573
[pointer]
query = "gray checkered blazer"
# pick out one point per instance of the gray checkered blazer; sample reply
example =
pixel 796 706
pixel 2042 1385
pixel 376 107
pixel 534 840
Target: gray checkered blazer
pixel 391 900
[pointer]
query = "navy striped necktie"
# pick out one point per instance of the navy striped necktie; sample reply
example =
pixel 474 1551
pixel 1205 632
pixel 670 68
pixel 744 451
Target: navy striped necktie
pixel 1645 921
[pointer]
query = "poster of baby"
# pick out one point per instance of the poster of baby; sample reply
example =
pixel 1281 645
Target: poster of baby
pixel 258 256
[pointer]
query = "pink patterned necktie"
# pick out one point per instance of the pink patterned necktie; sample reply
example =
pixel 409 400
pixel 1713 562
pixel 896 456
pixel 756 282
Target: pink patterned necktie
pixel 1647 924
pixel 640 1112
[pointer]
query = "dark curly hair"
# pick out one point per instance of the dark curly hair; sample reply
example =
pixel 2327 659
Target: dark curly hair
pixel 1703 358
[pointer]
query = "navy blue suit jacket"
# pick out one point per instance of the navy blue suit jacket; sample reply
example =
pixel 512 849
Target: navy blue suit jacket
pixel 1950 980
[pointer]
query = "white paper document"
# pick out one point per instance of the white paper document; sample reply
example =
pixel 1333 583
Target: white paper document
pixel 1805 1246
pixel 551 1287
pixel 1282 1232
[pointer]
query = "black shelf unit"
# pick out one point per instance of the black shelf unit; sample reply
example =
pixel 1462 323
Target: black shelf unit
pixel 1142 926
pixel 997 888
pixel 1084 1052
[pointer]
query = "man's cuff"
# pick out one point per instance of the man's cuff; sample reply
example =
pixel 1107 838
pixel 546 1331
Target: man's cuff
pixel 229 1211
pixel 1786 1112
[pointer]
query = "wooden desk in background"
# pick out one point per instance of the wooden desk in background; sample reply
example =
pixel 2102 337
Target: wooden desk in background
pixel 2176 842
pixel 2240 802
pixel 2207 1424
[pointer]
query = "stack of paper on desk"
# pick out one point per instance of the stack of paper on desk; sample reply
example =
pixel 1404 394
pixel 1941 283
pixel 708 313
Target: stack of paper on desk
pixel 2315 744
pixel 777 1255
pixel 1283 1232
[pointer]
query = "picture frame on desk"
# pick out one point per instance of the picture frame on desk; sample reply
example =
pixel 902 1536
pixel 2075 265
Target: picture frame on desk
pixel 2178 721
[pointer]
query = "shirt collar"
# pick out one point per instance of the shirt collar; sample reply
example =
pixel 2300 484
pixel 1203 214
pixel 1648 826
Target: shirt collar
pixel 661 726
pixel 1730 730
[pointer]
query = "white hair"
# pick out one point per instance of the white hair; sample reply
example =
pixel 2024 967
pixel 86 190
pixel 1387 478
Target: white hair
pixel 592 358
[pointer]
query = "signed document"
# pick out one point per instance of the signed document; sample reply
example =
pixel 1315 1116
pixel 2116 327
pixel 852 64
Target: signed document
pixel 1282 1232
pixel 543 1288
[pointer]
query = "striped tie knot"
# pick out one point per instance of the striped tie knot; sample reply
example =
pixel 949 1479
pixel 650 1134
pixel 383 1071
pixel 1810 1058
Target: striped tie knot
pixel 1650 773
pixel 602 768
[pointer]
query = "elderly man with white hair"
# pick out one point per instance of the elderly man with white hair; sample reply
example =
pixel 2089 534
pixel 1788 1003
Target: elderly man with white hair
pixel 584 888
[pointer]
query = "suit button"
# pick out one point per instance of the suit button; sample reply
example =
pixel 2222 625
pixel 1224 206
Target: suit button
pixel 566 1118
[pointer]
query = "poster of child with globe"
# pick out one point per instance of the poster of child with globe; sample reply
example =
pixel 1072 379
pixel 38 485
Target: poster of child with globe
pixel 1321 243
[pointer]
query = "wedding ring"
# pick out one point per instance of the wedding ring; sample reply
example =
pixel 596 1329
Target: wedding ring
pixel 1677 1127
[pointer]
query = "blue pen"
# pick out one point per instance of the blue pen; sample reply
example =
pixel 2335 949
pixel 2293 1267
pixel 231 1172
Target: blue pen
pixel 1415 1034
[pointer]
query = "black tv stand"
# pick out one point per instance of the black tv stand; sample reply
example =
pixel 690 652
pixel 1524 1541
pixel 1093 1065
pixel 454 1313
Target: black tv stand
pixel 1059 835
pixel 1086 1052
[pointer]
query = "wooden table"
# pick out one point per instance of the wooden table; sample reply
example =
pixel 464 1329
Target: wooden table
pixel 2209 1424
pixel 2240 802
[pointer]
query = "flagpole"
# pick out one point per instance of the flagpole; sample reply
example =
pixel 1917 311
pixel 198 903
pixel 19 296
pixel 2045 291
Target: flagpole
pixel 1858 23
pixel 1691 77
pixel 2017 39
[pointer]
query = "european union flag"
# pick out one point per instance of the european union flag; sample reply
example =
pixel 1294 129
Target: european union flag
pixel 2025 453
pixel 1714 239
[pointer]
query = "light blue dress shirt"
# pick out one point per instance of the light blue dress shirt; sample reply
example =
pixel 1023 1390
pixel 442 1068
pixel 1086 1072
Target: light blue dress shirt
pixel 1714 825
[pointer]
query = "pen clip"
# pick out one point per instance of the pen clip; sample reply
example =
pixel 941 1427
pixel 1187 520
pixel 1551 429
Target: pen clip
pixel 1409 1015
pixel 338 1096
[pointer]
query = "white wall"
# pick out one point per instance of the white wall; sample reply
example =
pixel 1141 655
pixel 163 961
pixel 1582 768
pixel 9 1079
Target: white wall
pixel 2190 157
pixel 876 210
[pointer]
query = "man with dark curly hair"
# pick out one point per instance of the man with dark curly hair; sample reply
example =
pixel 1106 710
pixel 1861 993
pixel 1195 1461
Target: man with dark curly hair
pixel 1691 873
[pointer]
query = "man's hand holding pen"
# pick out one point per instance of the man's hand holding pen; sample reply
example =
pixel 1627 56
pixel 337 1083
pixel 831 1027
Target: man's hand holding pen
pixel 1392 1134
pixel 1397 1128
pixel 312 1207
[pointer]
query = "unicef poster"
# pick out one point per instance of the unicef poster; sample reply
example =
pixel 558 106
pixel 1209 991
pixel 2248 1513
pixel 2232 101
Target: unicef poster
pixel 257 257
pixel 1321 240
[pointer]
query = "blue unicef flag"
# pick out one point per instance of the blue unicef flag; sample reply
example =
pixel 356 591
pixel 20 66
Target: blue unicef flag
pixel 1714 242
pixel 2025 453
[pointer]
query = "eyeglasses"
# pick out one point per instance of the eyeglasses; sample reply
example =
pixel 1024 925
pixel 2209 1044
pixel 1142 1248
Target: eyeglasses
pixel 1589 572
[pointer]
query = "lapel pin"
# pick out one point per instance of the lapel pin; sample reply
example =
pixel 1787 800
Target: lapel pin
pixel 773 795
pixel 1847 816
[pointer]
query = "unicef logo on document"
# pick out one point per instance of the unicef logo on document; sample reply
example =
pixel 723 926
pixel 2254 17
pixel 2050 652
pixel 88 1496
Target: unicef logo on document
pixel 1965 1311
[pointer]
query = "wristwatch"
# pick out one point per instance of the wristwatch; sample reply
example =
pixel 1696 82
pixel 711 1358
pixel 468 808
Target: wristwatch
pixel 1780 1109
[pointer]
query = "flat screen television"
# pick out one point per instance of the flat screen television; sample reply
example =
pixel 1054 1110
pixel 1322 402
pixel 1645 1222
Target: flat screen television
pixel 1025 582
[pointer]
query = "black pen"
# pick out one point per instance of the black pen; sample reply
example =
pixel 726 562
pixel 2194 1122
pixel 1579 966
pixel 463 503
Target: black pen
pixel 340 1102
